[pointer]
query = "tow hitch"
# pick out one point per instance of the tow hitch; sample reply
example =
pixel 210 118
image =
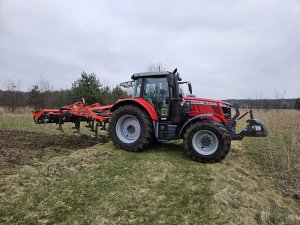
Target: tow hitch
pixel 254 128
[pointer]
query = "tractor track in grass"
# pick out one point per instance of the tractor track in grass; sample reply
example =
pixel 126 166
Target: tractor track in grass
pixel 17 146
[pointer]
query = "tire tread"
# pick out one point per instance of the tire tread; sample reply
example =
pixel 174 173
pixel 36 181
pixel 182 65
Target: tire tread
pixel 220 153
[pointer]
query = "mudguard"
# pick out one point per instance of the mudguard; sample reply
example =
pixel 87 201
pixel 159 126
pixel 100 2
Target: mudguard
pixel 148 107
pixel 199 117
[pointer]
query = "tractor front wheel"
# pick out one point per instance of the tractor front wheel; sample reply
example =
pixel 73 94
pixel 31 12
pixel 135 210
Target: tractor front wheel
pixel 207 141
pixel 130 128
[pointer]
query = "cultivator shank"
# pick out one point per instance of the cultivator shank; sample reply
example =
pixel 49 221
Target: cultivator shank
pixel 94 115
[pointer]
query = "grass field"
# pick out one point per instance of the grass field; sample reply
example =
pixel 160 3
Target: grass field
pixel 279 154
pixel 48 177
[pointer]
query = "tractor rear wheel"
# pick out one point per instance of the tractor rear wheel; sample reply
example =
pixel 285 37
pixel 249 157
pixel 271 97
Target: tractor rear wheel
pixel 130 128
pixel 207 141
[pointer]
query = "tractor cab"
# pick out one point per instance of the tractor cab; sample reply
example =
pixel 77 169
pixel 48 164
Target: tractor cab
pixel 155 90
pixel 160 89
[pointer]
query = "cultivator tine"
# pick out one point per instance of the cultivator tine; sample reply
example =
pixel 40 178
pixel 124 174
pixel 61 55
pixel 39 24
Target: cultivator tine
pixel 93 126
pixel 60 122
pixel 96 130
pixel 60 128
pixel 77 126
pixel 102 126
pixel 89 124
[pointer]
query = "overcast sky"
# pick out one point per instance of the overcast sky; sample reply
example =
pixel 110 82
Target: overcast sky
pixel 227 49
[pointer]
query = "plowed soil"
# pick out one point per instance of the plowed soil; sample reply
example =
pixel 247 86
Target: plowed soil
pixel 21 147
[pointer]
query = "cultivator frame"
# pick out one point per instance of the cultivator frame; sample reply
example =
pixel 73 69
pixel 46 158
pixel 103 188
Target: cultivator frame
pixel 96 116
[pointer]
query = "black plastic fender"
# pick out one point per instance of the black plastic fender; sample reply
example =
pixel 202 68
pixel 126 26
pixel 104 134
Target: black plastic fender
pixel 185 125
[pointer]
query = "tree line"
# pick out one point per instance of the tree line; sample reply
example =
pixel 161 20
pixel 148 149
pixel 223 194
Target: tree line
pixel 41 95
pixel 276 103
pixel 89 87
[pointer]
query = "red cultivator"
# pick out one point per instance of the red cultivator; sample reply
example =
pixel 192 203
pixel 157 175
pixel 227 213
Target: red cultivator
pixel 95 115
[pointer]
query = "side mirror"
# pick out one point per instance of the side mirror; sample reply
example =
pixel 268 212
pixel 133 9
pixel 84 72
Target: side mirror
pixel 190 87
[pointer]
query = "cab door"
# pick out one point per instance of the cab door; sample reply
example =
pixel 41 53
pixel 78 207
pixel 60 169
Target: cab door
pixel 156 92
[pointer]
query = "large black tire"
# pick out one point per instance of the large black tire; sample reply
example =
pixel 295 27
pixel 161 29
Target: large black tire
pixel 207 141
pixel 143 140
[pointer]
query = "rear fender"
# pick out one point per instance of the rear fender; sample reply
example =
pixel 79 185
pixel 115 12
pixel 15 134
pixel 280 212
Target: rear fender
pixel 140 102
pixel 200 117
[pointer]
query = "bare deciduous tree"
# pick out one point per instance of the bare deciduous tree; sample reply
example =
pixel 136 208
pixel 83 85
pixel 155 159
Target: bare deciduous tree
pixel 279 99
pixel 155 67
pixel 257 101
pixel 45 89
pixel 44 85
pixel 14 95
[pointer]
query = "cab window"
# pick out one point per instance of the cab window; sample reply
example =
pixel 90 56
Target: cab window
pixel 156 91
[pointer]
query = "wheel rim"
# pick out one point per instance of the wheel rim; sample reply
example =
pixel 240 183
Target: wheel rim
pixel 128 129
pixel 205 142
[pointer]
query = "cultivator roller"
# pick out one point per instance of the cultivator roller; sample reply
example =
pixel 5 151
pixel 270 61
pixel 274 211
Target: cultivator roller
pixel 96 116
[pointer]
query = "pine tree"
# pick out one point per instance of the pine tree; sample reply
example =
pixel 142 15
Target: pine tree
pixel 87 87
pixel 35 98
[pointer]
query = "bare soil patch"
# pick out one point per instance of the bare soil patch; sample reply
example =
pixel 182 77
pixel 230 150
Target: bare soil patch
pixel 21 147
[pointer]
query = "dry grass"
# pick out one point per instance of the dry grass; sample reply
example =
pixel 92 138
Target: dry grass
pixel 18 111
pixel 279 153
pixel 244 195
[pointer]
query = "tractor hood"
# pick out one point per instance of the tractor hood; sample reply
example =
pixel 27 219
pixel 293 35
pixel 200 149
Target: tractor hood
pixel 206 101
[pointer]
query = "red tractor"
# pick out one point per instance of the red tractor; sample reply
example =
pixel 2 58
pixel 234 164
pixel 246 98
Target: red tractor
pixel 157 111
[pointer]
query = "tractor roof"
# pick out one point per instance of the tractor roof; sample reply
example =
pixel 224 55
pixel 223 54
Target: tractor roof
pixel 150 74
